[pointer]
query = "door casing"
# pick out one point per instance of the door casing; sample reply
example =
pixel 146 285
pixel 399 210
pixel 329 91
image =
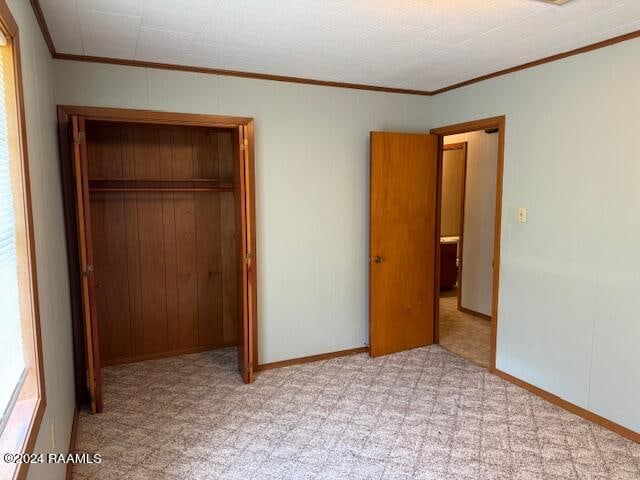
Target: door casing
pixel 482 124
pixel 246 154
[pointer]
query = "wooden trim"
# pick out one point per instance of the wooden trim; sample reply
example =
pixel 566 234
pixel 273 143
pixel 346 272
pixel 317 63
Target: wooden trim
pixel 72 441
pixel 542 61
pixel 33 274
pixel 461 236
pixel 245 361
pixel 237 73
pixel 570 407
pixel 73 261
pixel 497 229
pixel 311 358
pixel 159 189
pixel 459 146
pixel 172 353
pixel 7 22
pixel 455 146
pixel 252 244
pixel 154 117
pixel 437 241
pixel 83 223
pixel 468 311
pixel 466 127
pixel 499 123
pixel 37 10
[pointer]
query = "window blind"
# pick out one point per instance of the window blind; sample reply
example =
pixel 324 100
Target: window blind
pixel 12 363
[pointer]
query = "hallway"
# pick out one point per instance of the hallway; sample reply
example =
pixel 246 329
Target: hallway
pixel 463 334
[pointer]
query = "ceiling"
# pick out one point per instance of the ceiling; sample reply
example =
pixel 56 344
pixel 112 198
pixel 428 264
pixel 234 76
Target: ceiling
pixel 407 44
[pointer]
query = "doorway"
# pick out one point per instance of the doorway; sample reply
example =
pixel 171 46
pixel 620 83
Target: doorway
pixel 471 157
pixel 405 241
pixel 161 234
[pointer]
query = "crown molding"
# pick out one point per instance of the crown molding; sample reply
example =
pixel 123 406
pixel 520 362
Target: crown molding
pixel 308 81
pixel 37 10
pixel 542 61
pixel 236 73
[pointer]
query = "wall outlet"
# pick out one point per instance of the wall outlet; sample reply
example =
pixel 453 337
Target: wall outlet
pixel 53 434
pixel 522 215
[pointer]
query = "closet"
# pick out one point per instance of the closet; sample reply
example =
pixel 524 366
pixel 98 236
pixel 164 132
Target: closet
pixel 161 202
pixel 164 228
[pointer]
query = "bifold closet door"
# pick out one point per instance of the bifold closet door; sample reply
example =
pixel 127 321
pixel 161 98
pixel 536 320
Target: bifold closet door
pixel 246 243
pixel 402 241
pixel 88 281
pixel 166 262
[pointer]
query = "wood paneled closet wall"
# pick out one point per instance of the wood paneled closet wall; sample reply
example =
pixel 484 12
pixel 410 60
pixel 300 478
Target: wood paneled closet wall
pixel 161 234
pixel 166 265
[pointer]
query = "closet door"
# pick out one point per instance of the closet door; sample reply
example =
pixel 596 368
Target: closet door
pixel 402 241
pixel 245 228
pixel 83 218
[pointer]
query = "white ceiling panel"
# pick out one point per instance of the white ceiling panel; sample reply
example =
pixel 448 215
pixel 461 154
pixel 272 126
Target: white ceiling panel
pixel 71 44
pixel 164 19
pixel 109 22
pixel 415 44
pixel 102 39
pixel 153 38
pixel 63 8
pixel 122 7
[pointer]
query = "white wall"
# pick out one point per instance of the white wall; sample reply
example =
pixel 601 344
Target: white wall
pixel 51 255
pixel 312 177
pixel 570 277
pixel 479 219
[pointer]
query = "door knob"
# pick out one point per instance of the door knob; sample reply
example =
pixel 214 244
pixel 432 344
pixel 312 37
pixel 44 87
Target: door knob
pixel 378 259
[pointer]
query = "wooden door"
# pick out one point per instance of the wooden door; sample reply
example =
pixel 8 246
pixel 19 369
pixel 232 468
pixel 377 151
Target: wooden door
pixel 402 269
pixel 245 228
pixel 83 218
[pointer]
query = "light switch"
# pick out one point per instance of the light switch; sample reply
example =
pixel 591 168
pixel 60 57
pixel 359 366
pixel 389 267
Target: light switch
pixel 522 215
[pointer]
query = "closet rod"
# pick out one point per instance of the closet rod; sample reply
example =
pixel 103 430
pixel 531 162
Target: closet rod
pixel 158 179
pixel 161 189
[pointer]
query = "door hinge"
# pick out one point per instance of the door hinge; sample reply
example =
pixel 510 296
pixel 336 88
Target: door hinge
pixel 85 273
pixel 244 144
pixel 79 138
pixel 248 257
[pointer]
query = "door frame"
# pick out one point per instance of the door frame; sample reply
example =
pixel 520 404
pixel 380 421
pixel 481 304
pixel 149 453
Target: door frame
pixel 246 155
pixel 498 122
pixel 457 146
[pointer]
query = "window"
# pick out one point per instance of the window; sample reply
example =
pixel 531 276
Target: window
pixel 22 398
pixel 11 352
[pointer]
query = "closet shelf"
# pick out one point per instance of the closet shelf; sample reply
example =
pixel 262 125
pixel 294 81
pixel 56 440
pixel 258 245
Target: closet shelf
pixel 158 179
pixel 160 185
pixel 159 189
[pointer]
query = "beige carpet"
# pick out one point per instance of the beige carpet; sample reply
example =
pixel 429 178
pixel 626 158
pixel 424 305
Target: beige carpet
pixel 463 334
pixel 422 414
